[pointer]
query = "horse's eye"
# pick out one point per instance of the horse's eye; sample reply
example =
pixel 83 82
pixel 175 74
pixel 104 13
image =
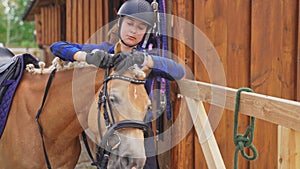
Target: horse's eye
pixel 113 99
pixel 149 108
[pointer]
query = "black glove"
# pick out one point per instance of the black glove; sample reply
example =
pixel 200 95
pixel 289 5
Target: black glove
pixel 127 60
pixel 100 59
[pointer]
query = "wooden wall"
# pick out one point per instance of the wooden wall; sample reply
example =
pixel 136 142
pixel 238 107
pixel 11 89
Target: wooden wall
pixel 84 18
pixel 50 26
pixel 50 21
pixel 258 44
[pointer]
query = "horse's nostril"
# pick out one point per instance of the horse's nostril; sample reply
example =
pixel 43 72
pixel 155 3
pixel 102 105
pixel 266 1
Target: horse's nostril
pixel 125 162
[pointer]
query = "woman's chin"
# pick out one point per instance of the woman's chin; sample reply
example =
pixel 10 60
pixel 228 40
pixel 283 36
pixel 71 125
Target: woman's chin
pixel 130 42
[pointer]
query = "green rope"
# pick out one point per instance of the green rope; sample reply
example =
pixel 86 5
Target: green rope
pixel 243 141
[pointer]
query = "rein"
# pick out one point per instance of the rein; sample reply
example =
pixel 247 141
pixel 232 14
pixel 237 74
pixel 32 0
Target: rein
pixel 37 117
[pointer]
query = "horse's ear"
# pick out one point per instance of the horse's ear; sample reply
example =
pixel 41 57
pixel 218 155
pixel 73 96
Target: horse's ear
pixel 146 70
pixel 137 72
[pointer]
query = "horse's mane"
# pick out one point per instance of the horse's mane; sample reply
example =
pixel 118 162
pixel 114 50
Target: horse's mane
pixel 57 64
pixel 60 65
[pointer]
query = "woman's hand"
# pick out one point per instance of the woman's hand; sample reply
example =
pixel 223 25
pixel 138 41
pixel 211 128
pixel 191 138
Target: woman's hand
pixel 100 58
pixel 129 59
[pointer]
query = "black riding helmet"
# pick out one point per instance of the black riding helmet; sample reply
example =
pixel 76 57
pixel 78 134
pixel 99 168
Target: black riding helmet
pixel 137 9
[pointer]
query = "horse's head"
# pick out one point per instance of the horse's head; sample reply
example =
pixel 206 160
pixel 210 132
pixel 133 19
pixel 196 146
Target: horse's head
pixel 116 118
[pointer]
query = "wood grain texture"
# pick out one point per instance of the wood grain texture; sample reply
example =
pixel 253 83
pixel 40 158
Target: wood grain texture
pixel 183 152
pixel 272 68
pixel 86 20
pixel 227 25
pixel 80 23
pixel 74 33
pixel 69 20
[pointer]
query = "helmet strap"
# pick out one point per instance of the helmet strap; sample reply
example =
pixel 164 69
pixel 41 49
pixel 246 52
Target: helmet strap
pixel 146 38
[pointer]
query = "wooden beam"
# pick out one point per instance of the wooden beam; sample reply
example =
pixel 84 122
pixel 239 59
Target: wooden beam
pixel 275 110
pixel 205 134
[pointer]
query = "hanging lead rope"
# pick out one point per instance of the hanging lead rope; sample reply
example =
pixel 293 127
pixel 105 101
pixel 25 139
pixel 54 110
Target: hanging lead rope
pixel 243 141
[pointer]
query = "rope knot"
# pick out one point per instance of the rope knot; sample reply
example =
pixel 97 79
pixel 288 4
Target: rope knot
pixel 243 141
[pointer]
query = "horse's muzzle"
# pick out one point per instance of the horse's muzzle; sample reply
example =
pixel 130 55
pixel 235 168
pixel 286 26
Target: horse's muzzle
pixel 123 153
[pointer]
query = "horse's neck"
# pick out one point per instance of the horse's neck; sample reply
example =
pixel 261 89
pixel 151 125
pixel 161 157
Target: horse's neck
pixel 68 100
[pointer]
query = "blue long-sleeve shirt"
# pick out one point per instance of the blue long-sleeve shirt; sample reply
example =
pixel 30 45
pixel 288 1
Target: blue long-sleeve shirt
pixel 163 67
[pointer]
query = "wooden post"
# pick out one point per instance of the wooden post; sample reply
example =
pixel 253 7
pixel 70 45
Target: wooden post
pixel 297 134
pixel 205 134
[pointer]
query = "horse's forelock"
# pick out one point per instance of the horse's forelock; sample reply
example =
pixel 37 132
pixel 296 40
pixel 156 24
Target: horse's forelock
pixel 137 72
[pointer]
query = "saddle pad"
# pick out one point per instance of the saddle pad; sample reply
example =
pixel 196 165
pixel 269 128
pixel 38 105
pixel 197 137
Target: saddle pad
pixel 11 84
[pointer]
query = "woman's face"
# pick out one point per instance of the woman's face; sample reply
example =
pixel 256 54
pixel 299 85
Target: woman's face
pixel 132 30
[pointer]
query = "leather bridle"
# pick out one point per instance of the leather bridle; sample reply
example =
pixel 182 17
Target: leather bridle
pixel 111 140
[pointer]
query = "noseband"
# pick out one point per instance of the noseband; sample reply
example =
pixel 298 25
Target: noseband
pixel 111 140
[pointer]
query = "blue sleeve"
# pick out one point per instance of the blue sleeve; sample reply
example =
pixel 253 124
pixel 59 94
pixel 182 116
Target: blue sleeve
pixel 167 68
pixel 66 50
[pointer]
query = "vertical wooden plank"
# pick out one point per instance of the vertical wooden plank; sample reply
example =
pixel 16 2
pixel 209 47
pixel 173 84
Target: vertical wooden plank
pixel 265 47
pixel 86 20
pixel 288 145
pixel 297 150
pixel 53 24
pixel 74 18
pixel 297 134
pixel 272 71
pixel 213 23
pixel 298 55
pixel 92 20
pixel 47 24
pixel 228 34
pixel 59 23
pixel 55 15
pixel 106 19
pixel 80 21
pixel 50 20
pixel 287 154
pixel 99 21
pixel 42 26
pixel 50 26
pixel 69 24
pixel 199 21
pixel 237 75
pixel 182 153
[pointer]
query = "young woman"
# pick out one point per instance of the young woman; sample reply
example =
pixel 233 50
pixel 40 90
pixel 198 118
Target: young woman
pixel 136 19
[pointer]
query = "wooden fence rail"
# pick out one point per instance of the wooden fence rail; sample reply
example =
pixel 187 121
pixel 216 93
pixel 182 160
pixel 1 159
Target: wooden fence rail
pixel 272 109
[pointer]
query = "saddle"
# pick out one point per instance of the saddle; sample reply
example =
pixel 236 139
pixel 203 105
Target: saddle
pixel 5 55
pixel 10 76
pixel 8 73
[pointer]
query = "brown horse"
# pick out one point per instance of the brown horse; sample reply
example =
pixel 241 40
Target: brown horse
pixel 70 92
